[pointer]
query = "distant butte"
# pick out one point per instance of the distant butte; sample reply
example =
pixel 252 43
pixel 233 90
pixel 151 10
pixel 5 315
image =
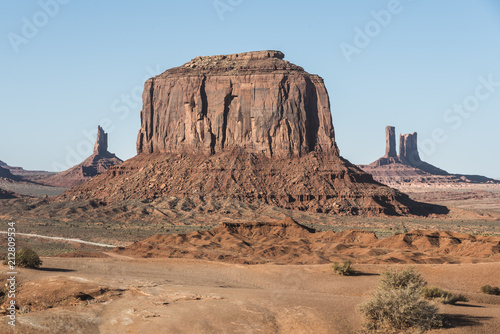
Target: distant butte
pixel 407 168
pixel 251 127
pixel 99 162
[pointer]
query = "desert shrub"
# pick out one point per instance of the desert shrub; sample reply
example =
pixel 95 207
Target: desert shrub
pixel 407 278
pixel 490 290
pixel 344 269
pixel 27 258
pixel 443 296
pixel 397 304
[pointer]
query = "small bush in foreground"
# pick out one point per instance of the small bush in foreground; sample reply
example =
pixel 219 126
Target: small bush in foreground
pixel 398 305
pixel 344 269
pixel 490 290
pixel 26 258
pixel 443 296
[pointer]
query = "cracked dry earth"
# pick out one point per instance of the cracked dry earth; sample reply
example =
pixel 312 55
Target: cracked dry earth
pixel 119 294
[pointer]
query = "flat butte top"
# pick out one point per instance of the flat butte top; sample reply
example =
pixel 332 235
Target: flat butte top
pixel 236 64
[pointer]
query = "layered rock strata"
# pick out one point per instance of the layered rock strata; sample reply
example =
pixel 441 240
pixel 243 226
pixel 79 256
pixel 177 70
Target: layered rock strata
pixel 254 100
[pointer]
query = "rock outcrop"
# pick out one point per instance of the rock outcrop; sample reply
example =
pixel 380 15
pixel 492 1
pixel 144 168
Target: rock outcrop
pixel 101 144
pixel 99 162
pixel 254 100
pixel 5 173
pixel 407 168
pixel 249 127
pixel 390 142
pixel 5 194
pixel 408 148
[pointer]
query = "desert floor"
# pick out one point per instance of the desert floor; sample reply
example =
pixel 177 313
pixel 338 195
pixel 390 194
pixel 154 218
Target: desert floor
pixel 120 294
pixel 193 296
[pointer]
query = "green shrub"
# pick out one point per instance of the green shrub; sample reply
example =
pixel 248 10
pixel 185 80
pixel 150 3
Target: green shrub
pixel 443 296
pixel 344 269
pixel 398 305
pixel 27 258
pixel 490 290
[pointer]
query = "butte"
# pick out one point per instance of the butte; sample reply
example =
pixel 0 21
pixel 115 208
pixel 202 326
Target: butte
pixel 250 127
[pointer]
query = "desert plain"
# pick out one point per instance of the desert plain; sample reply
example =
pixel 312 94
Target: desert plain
pixel 232 213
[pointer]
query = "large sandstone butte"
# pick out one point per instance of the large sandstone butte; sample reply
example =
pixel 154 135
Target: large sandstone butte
pixel 254 100
pixel 408 169
pixel 248 126
pixel 99 162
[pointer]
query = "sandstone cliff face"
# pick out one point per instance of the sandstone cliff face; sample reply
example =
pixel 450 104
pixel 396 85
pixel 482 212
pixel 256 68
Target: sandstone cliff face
pixel 5 173
pixel 408 148
pixel 254 100
pixel 101 144
pixel 390 142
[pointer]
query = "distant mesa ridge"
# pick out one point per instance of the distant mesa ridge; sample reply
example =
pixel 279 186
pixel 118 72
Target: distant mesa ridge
pixel 407 167
pixel 5 173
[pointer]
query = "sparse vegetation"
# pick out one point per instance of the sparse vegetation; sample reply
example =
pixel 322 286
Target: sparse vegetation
pixel 443 296
pixel 344 269
pixel 490 290
pixel 398 305
pixel 26 258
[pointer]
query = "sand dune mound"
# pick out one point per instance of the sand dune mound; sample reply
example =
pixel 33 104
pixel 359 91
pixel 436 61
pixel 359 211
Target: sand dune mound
pixel 442 242
pixel 288 242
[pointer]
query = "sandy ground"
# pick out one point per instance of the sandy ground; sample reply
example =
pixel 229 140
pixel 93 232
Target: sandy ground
pixel 194 296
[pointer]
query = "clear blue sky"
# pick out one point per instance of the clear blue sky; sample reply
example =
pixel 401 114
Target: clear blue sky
pixel 87 61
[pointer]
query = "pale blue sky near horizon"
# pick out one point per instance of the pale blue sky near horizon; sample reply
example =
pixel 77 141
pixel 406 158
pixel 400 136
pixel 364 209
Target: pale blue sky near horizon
pixel 86 62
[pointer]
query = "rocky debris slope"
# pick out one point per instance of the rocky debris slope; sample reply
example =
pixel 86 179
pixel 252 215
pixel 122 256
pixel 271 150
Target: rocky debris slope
pixel 99 162
pixel 251 127
pixel 314 182
pixel 408 169
pixel 287 242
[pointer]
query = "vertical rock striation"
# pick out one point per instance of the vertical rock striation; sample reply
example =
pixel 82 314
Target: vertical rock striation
pixel 408 148
pixel 253 100
pixel 101 144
